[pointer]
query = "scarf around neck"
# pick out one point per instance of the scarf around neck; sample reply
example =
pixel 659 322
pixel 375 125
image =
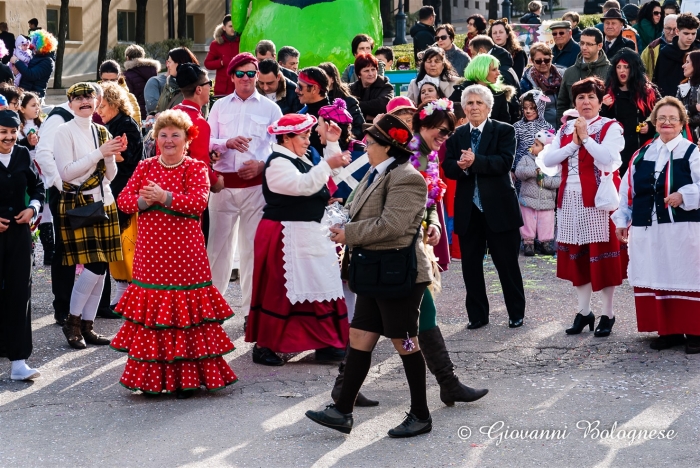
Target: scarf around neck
pixel 548 85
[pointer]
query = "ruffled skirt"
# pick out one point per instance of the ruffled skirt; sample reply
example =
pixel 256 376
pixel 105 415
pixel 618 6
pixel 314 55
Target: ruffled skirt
pixel 174 339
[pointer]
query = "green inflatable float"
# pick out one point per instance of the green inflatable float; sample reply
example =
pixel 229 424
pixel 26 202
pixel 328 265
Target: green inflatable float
pixel 320 29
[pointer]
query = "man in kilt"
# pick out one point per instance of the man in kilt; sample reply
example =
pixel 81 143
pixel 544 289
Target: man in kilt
pixel 86 160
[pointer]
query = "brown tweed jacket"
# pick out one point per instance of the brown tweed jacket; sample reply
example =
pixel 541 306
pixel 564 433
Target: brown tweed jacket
pixel 386 215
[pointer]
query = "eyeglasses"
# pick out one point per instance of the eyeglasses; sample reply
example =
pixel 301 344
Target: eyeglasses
pixel 671 120
pixel 13 103
pixel 656 13
pixel 369 143
pixel 443 132
pixel 110 80
pixel 544 60
pixel 559 33
pixel 669 29
pixel 444 37
pixel 250 73
pixel 209 83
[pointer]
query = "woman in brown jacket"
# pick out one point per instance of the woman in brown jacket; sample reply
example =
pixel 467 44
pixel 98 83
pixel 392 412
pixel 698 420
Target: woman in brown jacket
pixel 386 213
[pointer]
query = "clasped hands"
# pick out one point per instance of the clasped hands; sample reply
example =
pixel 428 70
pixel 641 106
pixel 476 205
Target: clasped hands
pixel 466 160
pixel 152 193
pixel 580 131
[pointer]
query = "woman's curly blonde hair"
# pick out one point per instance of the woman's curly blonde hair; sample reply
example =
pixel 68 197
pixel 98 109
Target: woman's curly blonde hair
pixel 116 96
pixel 173 118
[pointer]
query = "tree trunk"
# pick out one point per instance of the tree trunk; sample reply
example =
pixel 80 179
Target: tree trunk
pixel 62 36
pixel 104 35
pixel 141 21
pixel 181 19
pixel 387 9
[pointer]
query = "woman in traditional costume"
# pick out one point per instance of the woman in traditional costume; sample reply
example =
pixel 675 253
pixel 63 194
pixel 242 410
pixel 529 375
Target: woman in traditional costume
pixel 297 300
pixel 173 313
pixel 589 255
pixel 659 218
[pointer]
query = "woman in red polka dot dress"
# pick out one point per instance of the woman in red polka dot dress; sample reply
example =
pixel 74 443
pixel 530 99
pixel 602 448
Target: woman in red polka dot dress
pixel 173 313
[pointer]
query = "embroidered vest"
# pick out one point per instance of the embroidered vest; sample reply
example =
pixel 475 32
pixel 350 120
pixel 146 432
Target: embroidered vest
pixel 588 173
pixel 280 207
pixel 649 192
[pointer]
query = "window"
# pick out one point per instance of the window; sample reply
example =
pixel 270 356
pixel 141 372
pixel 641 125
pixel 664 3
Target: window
pixel 195 27
pixel 52 21
pixel 477 6
pixel 488 5
pixel 126 26
pixel 466 3
pixel 454 4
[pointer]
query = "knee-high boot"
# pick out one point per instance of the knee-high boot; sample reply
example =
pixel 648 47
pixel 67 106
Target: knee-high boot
pixel 440 365
pixel 361 400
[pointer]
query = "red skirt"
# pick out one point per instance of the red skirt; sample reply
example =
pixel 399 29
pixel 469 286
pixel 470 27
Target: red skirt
pixel 274 322
pixel 174 339
pixel 667 312
pixel 602 264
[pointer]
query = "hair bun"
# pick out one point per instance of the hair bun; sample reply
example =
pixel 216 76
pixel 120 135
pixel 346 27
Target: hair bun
pixel 339 102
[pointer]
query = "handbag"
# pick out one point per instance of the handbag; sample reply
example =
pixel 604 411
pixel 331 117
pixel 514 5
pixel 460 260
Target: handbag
pixel 383 274
pixel 607 197
pixel 89 214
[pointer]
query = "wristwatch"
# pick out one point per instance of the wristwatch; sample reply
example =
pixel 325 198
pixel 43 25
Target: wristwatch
pixel 36 213
pixel 584 141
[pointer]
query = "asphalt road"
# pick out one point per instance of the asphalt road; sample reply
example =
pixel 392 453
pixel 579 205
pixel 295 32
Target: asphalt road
pixel 595 396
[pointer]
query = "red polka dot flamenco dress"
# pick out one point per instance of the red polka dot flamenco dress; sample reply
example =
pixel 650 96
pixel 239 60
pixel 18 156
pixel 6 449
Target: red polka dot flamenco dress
pixel 173 313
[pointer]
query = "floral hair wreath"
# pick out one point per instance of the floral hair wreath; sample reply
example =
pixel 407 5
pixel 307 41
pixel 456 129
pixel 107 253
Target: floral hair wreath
pixel 442 104
pixel 502 20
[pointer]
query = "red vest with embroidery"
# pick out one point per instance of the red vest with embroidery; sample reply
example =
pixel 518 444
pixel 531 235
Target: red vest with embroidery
pixel 587 172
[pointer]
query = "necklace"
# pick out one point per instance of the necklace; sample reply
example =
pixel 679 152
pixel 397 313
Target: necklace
pixel 436 187
pixel 170 166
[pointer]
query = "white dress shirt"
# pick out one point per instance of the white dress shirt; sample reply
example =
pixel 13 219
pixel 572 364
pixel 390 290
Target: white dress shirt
pixel 231 117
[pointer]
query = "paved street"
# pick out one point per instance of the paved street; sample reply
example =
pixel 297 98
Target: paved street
pixel 539 379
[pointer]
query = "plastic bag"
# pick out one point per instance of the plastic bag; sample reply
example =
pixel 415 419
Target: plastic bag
pixel 335 215
pixel 607 198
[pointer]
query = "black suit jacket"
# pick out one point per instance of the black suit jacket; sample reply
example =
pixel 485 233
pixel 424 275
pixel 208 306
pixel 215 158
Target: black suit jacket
pixel 619 44
pixel 492 165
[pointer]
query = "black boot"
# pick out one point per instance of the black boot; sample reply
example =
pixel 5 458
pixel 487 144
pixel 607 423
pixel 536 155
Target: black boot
pixel 604 326
pixel 47 241
pixel 580 323
pixel 548 248
pixel 440 365
pixel 361 400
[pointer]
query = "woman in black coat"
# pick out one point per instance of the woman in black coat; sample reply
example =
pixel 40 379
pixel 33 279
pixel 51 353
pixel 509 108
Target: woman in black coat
pixel 115 111
pixel 372 91
pixel 18 176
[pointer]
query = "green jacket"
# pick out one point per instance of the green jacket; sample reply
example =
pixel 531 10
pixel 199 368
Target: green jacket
pixel 647 32
pixel 577 72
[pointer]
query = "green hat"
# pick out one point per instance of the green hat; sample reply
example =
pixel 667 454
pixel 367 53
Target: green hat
pixel 80 89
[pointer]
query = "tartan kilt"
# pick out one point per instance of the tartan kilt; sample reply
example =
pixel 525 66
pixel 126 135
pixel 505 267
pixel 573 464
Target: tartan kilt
pixel 100 242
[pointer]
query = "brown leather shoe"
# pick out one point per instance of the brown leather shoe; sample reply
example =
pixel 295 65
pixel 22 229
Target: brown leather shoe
pixel 71 328
pixel 90 336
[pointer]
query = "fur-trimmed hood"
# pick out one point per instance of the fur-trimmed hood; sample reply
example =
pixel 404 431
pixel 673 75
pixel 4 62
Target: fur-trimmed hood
pixel 142 62
pixel 219 34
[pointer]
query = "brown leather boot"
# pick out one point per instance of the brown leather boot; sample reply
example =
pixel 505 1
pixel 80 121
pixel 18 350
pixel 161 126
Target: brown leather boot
pixel 71 328
pixel 90 336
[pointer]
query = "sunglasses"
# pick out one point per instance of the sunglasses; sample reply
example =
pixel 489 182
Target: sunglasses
pixel 210 82
pixel 443 132
pixel 544 60
pixel 444 37
pixel 656 13
pixel 250 73
pixel 559 33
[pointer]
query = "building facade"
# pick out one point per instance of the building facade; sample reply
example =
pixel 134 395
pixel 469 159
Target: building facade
pixel 80 59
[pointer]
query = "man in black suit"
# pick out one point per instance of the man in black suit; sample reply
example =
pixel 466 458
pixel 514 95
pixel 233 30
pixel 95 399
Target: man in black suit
pixel 613 24
pixel 479 157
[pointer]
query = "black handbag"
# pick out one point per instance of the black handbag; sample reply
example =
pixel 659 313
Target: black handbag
pixel 383 274
pixel 89 214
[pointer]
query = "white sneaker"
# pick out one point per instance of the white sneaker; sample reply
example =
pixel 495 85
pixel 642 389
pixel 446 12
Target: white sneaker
pixel 26 373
